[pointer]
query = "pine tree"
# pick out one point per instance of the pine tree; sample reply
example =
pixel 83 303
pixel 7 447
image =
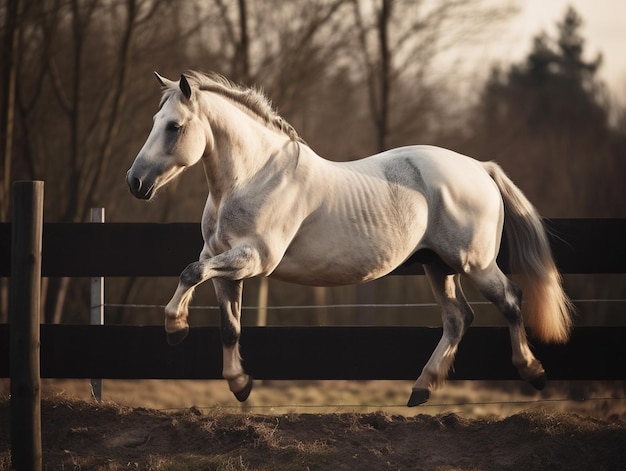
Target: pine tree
pixel 555 87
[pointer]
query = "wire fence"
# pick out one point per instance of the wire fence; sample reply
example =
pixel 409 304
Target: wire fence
pixel 340 306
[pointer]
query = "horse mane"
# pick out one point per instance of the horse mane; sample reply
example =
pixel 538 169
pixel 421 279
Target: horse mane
pixel 251 100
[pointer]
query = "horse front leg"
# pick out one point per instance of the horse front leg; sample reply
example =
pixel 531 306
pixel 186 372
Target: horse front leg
pixel 177 310
pixel 226 270
pixel 235 264
pixel 229 301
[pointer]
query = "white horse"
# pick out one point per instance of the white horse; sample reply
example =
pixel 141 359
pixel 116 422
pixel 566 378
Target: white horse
pixel 275 208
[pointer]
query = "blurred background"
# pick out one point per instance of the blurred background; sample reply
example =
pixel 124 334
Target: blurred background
pixel 538 86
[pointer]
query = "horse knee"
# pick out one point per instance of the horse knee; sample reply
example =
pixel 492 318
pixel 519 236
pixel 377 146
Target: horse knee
pixel 192 274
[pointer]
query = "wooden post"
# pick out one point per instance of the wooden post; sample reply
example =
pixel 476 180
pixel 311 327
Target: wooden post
pixel 24 303
pixel 261 320
pixel 97 304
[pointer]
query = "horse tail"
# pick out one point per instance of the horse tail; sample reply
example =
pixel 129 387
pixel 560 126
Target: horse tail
pixel 548 307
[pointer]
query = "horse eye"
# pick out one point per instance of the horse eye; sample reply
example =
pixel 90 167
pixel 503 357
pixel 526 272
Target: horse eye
pixel 172 126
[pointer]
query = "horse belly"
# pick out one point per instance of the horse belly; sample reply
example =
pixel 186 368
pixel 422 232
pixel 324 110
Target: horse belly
pixel 341 257
pixel 335 270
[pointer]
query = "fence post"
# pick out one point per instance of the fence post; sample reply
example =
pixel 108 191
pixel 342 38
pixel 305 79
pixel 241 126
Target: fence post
pixel 97 304
pixel 24 304
pixel 261 319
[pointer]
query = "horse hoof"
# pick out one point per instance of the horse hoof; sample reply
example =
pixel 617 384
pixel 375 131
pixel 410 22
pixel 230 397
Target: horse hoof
pixel 539 382
pixel 174 338
pixel 245 392
pixel 418 396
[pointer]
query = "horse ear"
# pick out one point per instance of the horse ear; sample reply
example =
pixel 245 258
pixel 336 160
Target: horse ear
pixel 165 83
pixel 185 87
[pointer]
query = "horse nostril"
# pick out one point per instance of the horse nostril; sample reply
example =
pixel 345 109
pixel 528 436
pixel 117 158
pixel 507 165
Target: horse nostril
pixel 138 189
pixel 134 184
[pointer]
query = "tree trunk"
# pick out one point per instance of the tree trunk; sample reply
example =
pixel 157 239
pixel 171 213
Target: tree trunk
pixel 9 72
pixel 385 74
pixel 7 108
pixel 242 54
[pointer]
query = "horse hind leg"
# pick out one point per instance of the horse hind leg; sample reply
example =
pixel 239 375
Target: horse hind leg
pixel 507 297
pixel 457 316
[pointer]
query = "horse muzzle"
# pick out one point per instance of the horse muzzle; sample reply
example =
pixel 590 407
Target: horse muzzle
pixel 138 187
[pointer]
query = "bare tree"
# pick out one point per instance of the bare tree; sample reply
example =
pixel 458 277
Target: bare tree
pixel 377 64
pixel 237 34
pixel 398 42
pixel 8 59
pixel 88 99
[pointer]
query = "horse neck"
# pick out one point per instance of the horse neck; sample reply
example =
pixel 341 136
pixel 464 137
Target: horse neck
pixel 242 146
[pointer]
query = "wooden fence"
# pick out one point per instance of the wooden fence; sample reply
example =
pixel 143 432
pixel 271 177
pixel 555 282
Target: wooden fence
pixel 587 246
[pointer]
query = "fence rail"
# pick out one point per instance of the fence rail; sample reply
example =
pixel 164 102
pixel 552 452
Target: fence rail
pixel 319 353
pixel 148 249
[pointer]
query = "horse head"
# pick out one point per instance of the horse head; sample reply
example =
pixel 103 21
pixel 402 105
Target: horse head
pixel 178 139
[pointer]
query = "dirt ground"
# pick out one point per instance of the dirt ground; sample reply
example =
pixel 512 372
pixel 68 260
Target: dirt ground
pixel 84 435
pixel 197 425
